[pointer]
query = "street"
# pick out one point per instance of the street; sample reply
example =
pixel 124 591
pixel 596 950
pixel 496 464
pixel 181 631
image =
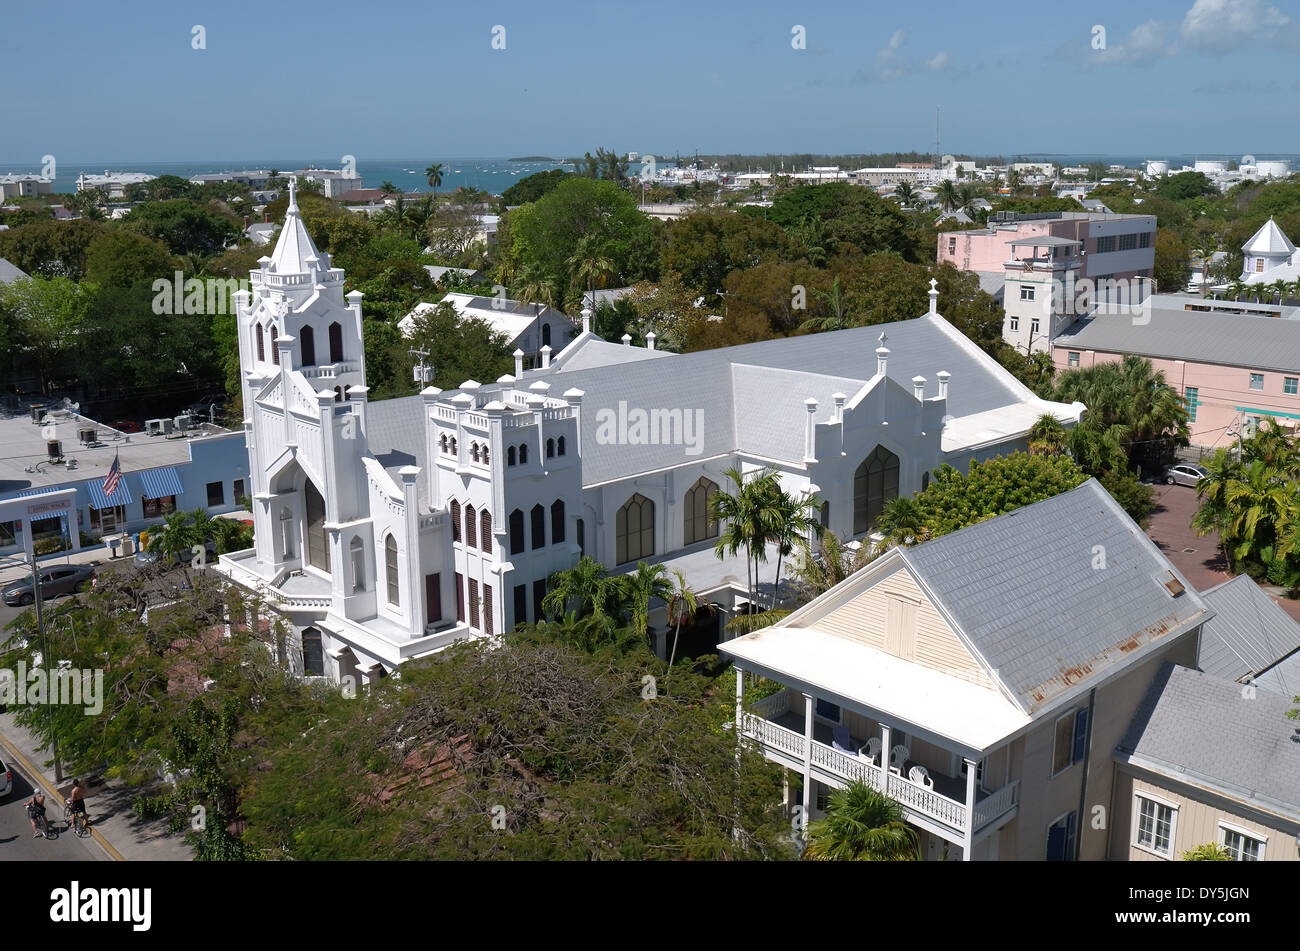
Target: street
pixel 17 843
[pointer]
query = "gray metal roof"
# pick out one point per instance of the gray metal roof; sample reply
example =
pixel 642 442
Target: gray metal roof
pixel 703 380
pixel 1282 678
pixel 395 435
pixel 1025 591
pixel 10 273
pixel 1241 340
pixel 1209 731
pixel 1249 632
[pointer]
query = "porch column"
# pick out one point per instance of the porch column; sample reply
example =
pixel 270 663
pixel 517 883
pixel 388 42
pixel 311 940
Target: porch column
pixel 884 757
pixel 968 843
pixel 740 705
pixel 807 753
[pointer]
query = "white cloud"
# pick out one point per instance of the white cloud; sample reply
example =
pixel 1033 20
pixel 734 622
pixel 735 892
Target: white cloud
pixel 1223 25
pixel 938 61
pixel 891 62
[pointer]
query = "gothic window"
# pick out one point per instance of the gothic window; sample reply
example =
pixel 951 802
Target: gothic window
pixel 550 448
pixel 473 451
pixel 510 456
pixel 559 446
pixel 275 351
pixel 874 483
pixel 523 454
pixel 357 551
pixel 557 521
pixel 485 531
pixel 698 525
pixel 390 569
pixel 455 520
pixel 307 346
pixel 546 335
pixel 635 530
pixel 516 532
pixel 470 541
pixel 538 517
pixel 336 342
pixel 261 349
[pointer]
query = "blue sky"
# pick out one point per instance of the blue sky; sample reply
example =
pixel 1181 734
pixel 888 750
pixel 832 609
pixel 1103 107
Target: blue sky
pixel 384 79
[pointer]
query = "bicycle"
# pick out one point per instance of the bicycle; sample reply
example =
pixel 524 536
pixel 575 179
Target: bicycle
pixel 43 826
pixel 78 820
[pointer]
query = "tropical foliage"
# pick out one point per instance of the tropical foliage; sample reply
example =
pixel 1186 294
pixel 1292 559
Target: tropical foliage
pixel 861 825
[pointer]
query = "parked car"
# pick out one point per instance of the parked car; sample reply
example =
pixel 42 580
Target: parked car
pixel 64 579
pixel 6 780
pixel 1184 473
pixel 126 426
pixel 147 557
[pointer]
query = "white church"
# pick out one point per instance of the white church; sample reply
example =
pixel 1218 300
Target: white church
pixel 389 530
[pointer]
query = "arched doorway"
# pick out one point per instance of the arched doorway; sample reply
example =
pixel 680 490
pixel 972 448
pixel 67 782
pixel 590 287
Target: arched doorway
pixel 318 552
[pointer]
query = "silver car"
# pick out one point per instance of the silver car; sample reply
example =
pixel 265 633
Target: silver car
pixel 1184 473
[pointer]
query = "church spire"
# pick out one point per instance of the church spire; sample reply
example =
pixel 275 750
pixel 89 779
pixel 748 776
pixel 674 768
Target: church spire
pixel 295 252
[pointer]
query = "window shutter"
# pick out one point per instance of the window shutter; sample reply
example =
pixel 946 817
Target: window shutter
pixel 1080 735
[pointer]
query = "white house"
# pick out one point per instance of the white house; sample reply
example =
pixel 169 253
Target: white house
pixel 528 328
pixel 1269 256
pixel 386 531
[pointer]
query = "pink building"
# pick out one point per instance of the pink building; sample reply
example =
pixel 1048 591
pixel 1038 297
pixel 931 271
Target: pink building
pixel 1231 370
pixel 1118 247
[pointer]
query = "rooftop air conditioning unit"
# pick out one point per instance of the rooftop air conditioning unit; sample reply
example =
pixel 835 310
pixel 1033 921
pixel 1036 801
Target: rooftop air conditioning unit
pixel 54 449
pixel 86 436
pixel 158 427
pixel 38 413
pixel 184 422
pixel 72 464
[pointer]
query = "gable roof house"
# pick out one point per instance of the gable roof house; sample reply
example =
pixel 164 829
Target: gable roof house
pixel 982 678
pixel 534 330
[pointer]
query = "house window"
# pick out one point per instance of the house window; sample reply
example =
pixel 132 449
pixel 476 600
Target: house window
pixel 550 448
pixel 442 442
pixel 275 351
pixel 538 518
pixel 952 245
pixel 874 483
pixel 1242 845
pixel 1071 739
pixel 216 493
pixel 307 346
pixel 1259 265
pixel 516 532
pixel 1106 244
pixel 338 394
pixel 1033 326
pixel 357 551
pixel 470 540
pixel 390 567
pixel 925 484
pixel 697 524
pixel 827 710
pixel 559 446
pixel 521 604
pixel 546 335
pixel 336 342
pixel 1144 239
pixel 510 456
pixel 156 508
pixel 105 520
pixel 1060 839
pixel 485 531
pixel 557 522
pixel 455 520
pixel 582 538
pixel 1026 292
pixel 237 489
pixel 1189 398
pixel 313 657
pixel 539 593
pixel 473 451
pixel 454 450
pixel 1154 831
pixel 1127 242
pixel 1257 381
pixel 1072 357
pixel 1290 384
pixel 634 530
pixel 1015 323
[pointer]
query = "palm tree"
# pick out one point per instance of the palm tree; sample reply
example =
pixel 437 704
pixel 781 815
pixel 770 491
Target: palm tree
pixel 1238 288
pixel 590 263
pixel 388 188
pixel 967 194
pixel 641 587
pixel 902 522
pixel 682 605
pixel 433 174
pixel 536 288
pixel 861 825
pixel 1047 436
pixel 816 572
pixel 746 520
pixel 905 192
pixel 1276 448
pixel 949 195
pixel 795 518
pixel 1278 288
pixel 586 588
pixel 835 318
pixel 1204 253
pixel 1015 181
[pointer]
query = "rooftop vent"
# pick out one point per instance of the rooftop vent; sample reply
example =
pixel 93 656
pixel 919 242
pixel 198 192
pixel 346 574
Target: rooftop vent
pixel 1173 584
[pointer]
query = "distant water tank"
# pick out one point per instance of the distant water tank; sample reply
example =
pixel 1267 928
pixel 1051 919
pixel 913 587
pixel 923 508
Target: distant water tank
pixel 1273 169
pixel 1211 166
pixel 1156 169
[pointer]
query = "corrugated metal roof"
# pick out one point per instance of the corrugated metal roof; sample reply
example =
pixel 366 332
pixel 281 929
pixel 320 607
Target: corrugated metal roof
pixel 1026 591
pixel 1241 340
pixel 1207 730
pixel 1248 633
pixel 395 435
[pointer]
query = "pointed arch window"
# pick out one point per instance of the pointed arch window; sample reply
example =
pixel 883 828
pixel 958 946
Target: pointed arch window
pixel 470 540
pixel 538 518
pixel 485 531
pixel 516 532
pixel 485 454
pixel 275 351
pixel 455 520
pixel 338 394
pixel 550 448
pixel 261 347
pixel 313 657
pixel 698 523
pixel 442 442
pixel 357 553
pixel 874 483
pixel 390 569
pixel 510 456
pixel 473 451
pixel 523 454
pixel 318 551
pixel 336 342
pixel 557 521
pixel 307 346
pixel 635 530
pixel 454 450
pixel 559 446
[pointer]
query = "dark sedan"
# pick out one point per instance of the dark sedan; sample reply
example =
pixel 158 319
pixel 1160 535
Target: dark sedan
pixel 64 579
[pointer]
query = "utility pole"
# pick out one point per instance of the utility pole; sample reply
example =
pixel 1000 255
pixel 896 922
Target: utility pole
pixel 422 376
pixel 45 644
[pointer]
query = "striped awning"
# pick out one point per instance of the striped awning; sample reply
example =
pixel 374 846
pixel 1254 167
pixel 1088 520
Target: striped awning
pixel 160 483
pixel 121 495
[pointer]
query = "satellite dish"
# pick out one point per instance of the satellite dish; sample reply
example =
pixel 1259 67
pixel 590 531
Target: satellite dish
pixel 1248 160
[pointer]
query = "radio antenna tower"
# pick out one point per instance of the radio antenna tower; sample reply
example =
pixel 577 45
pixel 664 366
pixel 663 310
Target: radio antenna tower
pixel 938 151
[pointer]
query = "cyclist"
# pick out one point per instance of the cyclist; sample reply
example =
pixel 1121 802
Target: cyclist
pixel 36 810
pixel 77 801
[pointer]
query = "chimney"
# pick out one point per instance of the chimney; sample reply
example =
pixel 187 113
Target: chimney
pixel 918 387
pixel 810 439
pixel 944 377
pixel 882 360
pixel 934 296
pixel 519 363
pixel 650 340
pixel 546 356
pixel 627 340
pixel 586 318
pixel 840 399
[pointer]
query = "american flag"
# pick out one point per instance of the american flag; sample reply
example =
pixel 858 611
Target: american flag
pixel 113 478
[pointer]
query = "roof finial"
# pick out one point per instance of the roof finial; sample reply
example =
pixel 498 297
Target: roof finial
pixel 293 194
pixel 934 296
pixel 882 338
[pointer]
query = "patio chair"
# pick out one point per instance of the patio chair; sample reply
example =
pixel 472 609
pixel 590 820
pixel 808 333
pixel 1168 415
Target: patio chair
pixel 870 751
pixel 897 757
pixel 841 740
pixel 920 775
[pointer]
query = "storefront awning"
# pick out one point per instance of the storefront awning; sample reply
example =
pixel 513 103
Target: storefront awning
pixel 160 483
pixel 98 500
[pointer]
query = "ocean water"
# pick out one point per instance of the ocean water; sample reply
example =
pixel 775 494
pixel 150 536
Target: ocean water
pixel 493 175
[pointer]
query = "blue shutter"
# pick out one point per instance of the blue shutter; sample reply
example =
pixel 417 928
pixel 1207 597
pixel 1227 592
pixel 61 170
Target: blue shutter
pixel 1080 735
pixel 1056 843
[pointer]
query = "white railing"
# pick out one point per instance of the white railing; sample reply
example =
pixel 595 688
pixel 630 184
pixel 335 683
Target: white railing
pixel 996 805
pixel 769 708
pixel 915 796
pixel 774 735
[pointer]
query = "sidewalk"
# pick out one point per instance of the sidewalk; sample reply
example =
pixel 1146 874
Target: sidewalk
pixel 114 826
